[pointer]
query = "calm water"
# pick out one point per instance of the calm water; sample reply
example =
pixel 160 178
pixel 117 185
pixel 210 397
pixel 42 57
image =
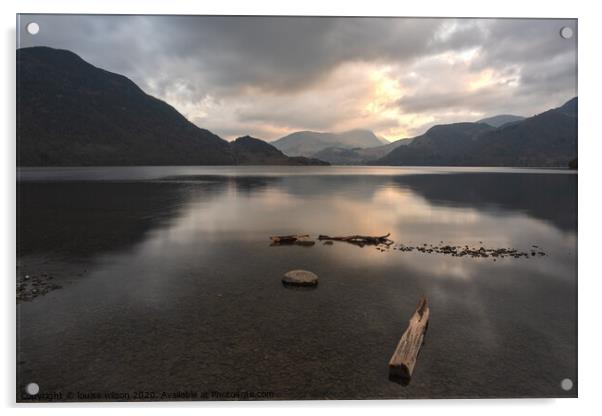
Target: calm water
pixel 169 283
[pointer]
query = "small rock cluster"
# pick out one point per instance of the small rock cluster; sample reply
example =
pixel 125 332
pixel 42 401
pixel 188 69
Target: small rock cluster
pixel 30 287
pixel 461 251
pixel 307 278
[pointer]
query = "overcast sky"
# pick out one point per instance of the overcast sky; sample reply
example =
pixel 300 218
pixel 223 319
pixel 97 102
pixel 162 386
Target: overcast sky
pixel 270 76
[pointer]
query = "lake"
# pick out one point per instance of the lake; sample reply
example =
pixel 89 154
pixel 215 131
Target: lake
pixel 169 285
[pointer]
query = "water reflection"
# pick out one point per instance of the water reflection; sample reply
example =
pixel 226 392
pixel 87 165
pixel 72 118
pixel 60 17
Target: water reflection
pixel 83 219
pixel 184 285
pixel 549 197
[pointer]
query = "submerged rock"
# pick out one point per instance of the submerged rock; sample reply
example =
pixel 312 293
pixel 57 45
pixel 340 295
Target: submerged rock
pixel 300 278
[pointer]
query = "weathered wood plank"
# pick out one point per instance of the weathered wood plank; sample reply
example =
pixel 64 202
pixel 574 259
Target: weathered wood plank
pixel 401 365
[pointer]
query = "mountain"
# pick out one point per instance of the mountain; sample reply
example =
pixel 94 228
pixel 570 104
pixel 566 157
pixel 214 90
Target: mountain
pixel 498 121
pixel 248 150
pixel 345 156
pixel 547 139
pixel 308 143
pixel 71 113
pixel 445 144
pixel 570 108
pixel 373 153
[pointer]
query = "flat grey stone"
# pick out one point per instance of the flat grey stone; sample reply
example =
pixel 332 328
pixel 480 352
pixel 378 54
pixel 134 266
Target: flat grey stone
pixel 300 278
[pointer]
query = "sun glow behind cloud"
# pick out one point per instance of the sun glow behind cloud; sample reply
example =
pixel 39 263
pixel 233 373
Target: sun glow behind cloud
pixel 358 95
pixel 385 90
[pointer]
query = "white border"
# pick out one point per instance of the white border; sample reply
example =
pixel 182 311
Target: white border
pixel 590 152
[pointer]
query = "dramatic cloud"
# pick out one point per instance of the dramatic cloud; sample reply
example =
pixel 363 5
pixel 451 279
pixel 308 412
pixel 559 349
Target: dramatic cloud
pixel 269 76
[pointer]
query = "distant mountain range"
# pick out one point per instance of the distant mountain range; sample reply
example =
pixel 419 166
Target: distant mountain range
pixel 248 150
pixel 309 143
pixel 548 139
pixel 499 121
pixel 71 113
pixel 357 156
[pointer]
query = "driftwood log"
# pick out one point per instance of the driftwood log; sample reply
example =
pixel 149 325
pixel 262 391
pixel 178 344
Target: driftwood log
pixel 360 240
pixel 403 360
pixel 298 239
